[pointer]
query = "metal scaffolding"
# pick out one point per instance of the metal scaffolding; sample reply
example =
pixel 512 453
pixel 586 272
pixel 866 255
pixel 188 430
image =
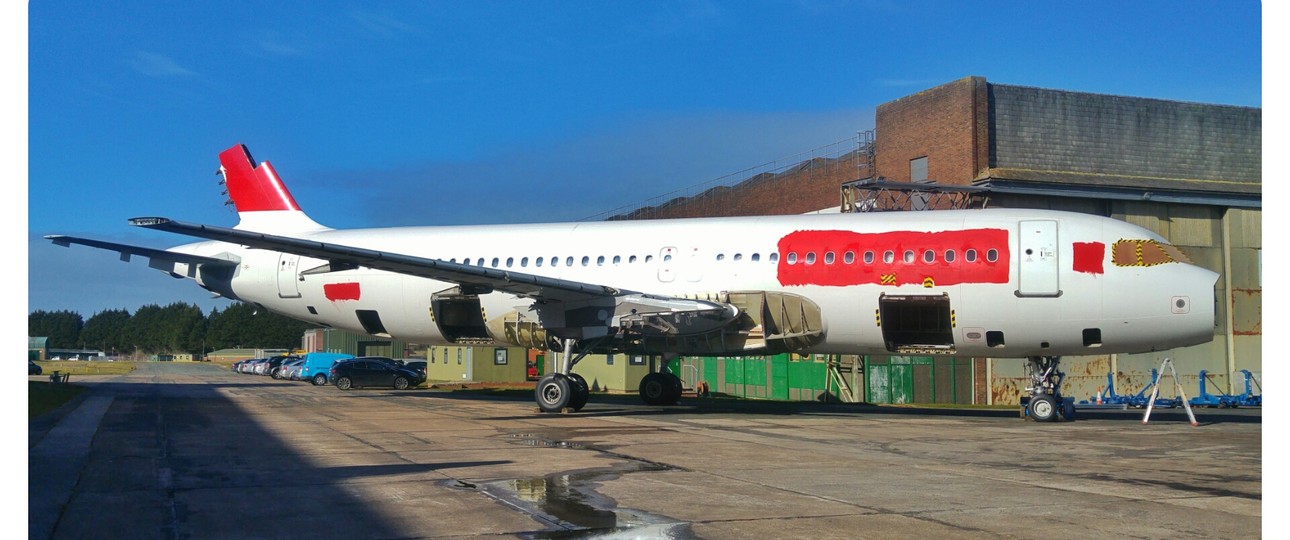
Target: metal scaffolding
pixel 882 195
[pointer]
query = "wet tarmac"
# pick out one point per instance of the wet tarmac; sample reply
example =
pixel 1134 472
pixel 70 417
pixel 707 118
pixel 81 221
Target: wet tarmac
pixel 192 451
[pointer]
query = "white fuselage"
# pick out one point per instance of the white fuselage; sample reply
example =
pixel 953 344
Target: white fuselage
pixel 1054 286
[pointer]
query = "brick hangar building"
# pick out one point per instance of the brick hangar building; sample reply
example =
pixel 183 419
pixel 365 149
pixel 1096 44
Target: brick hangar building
pixel 1191 172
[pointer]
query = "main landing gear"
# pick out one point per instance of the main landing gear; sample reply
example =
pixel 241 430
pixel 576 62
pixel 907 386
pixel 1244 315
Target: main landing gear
pixel 660 387
pixel 566 391
pixel 1046 403
pixel 563 390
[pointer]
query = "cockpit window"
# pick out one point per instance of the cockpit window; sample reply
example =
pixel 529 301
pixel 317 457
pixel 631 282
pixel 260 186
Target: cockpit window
pixel 1145 253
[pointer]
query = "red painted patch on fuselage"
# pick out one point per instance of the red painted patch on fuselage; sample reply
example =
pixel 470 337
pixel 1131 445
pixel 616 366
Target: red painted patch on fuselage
pixel 341 291
pixel 875 245
pixel 1088 257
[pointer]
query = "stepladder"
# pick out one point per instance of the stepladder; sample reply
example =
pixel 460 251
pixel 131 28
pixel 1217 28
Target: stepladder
pixel 1155 392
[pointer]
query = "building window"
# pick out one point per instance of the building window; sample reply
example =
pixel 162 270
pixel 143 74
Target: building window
pixel 918 169
pixel 637 360
pixel 459 357
pixel 499 357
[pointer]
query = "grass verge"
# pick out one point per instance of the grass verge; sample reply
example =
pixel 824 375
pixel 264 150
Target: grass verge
pixel 43 397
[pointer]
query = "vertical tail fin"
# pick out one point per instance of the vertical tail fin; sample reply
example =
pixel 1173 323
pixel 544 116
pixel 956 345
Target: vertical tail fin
pixel 261 199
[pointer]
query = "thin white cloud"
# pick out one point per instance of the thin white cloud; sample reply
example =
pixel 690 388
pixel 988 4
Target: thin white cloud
pixel 158 65
pixel 381 24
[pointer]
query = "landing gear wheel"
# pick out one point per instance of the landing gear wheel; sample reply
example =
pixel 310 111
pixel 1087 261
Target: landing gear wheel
pixel 320 379
pixel 655 388
pixel 554 392
pixel 674 390
pixel 1043 408
pixel 581 391
pixel 660 389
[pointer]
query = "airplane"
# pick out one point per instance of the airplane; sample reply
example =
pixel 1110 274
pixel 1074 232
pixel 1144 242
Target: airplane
pixel 1003 283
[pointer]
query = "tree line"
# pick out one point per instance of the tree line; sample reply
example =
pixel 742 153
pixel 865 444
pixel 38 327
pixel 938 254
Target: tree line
pixel 177 328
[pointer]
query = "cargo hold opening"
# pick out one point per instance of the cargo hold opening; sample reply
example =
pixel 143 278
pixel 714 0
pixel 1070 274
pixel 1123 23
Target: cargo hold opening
pixel 916 323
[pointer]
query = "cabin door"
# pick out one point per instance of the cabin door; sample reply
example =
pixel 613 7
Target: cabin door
pixel 1037 265
pixel 288 276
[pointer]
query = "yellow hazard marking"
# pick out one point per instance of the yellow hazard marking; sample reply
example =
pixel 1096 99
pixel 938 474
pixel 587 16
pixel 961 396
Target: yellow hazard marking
pixel 877 318
pixel 953 319
pixel 888 279
pixel 928 282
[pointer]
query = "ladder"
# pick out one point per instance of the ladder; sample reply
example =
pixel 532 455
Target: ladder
pixel 1168 363
pixel 842 375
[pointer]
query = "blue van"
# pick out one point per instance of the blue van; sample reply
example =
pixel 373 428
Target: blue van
pixel 314 369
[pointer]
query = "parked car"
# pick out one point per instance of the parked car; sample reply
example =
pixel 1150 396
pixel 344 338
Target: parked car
pixel 418 366
pixel 33 368
pixel 274 364
pixel 373 371
pixel 290 370
pixel 316 365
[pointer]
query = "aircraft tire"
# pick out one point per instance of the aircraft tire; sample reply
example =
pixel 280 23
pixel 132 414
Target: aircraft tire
pixel 1043 408
pixel 655 389
pixel 581 391
pixel 554 393
pixel 674 390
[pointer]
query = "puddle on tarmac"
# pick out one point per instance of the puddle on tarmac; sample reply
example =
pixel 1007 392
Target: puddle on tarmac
pixel 570 504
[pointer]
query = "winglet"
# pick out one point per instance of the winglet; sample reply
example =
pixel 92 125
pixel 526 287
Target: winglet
pixel 261 199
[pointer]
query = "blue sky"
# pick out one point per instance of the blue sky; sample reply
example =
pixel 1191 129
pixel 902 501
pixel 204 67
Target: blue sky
pixel 398 113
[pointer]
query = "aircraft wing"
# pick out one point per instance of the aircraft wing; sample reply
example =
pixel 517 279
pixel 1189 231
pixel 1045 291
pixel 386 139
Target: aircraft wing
pixel 166 261
pixel 472 279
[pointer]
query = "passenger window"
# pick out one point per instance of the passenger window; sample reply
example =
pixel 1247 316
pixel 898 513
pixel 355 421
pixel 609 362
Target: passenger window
pixel 524 262
pixel 510 261
pixel 849 257
pixel 739 256
pixel 568 261
pixel 810 257
pixel 721 256
pixel 667 257
pixel 756 257
pixel 600 261
pixel 649 258
pixel 909 256
pixel 774 257
pixel 792 257
pixel 888 256
pixel 929 256
pixel 586 260
pixel 466 261
pixel 631 259
pixel 949 255
pixel 969 255
pixel 480 262
pixel 538 262
pixel 495 261
pixel 992 255
pixel 868 257
pixel 828 258
pixel 617 259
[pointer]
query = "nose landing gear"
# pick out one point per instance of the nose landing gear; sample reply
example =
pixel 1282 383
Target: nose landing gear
pixel 1046 403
